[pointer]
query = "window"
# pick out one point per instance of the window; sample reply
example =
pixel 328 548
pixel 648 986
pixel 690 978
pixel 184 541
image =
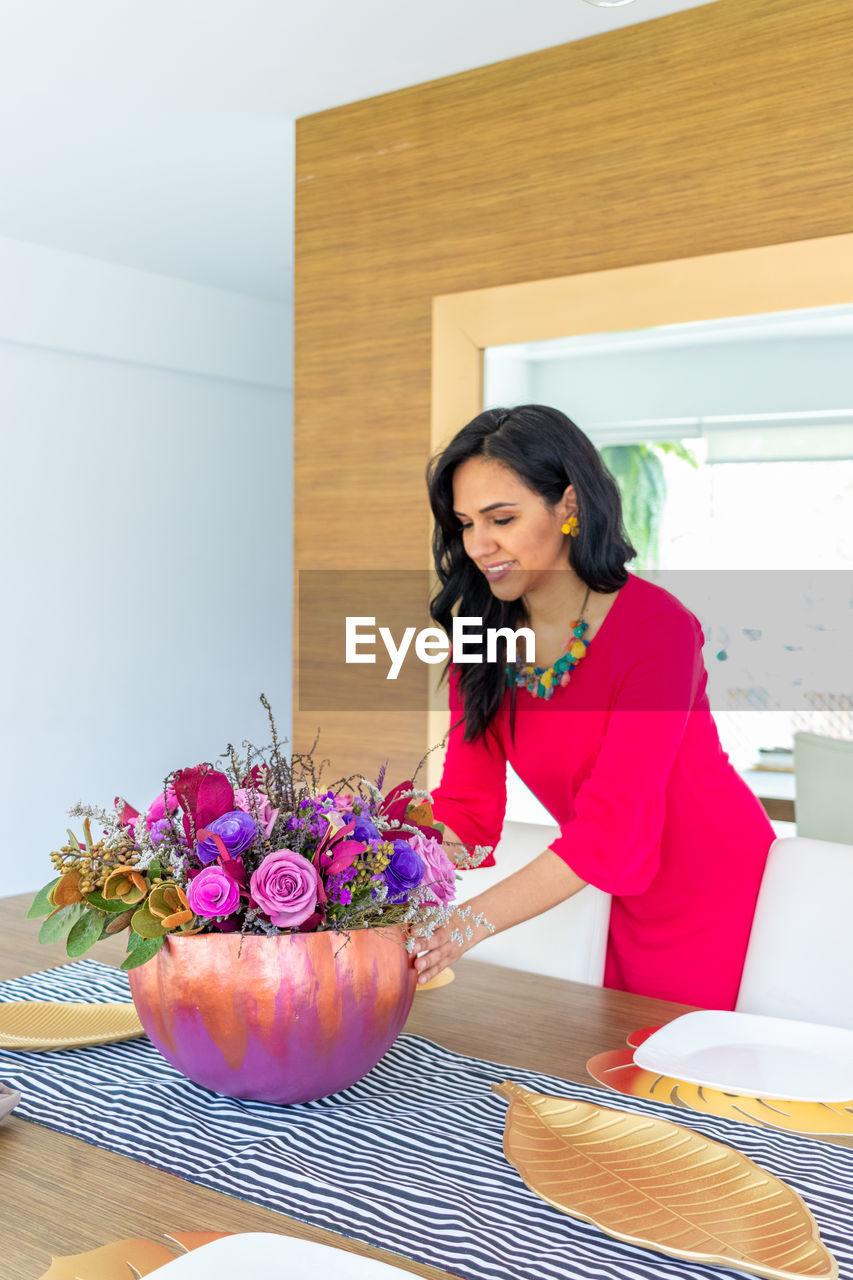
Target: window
pixel 732 440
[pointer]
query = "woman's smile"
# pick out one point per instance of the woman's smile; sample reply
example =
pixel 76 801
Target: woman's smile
pixel 494 572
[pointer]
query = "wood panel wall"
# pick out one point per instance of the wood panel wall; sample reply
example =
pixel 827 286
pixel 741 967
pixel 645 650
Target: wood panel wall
pixel 723 127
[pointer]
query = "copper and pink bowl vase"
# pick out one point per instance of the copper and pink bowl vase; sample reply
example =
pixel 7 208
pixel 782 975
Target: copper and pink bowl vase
pixel 280 1019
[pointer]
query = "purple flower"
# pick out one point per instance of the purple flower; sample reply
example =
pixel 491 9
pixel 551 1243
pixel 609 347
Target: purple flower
pixel 309 821
pixel 364 830
pixel 213 893
pixel 236 830
pixel 404 871
pixel 159 829
pixel 337 886
pixel 286 887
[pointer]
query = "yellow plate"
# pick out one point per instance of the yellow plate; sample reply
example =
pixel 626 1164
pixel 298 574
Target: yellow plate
pixel 50 1024
pixel 661 1186
pixel 442 979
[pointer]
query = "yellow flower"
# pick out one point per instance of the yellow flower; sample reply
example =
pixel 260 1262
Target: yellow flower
pixel 126 884
pixel 168 904
pixel 578 649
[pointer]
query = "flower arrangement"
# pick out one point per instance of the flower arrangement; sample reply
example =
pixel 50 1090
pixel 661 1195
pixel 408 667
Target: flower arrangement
pixel 256 847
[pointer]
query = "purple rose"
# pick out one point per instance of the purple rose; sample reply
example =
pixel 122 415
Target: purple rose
pixel 158 830
pixel 439 871
pixel 213 893
pixel 404 871
pixel 236 830
pixel 364 830
pixel 286 887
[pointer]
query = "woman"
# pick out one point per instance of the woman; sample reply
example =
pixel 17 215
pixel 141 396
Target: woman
pixel 613 731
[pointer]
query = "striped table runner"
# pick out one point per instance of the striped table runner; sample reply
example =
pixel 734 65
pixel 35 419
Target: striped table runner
pixel 410 1159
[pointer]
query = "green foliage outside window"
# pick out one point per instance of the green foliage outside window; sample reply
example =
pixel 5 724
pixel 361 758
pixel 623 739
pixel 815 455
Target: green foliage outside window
pixel 639 472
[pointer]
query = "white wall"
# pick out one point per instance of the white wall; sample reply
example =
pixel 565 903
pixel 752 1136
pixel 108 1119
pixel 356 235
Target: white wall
pixel 145 535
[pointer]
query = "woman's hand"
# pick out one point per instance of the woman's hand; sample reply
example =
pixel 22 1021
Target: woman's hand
pixel 537 887
pixel 444 946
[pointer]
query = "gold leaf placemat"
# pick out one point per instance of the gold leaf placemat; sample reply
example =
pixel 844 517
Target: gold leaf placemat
pixel 656 1184
pixel 48 1024
pixel 115 1261
pixel 617 1070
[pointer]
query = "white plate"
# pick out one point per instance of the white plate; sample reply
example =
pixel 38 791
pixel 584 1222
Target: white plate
pixel 9 1099
pixel 750 1054
pixel 262 1253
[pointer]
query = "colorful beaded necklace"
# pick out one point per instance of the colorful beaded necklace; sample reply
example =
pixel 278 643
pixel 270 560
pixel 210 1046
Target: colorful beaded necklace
pixel 542 681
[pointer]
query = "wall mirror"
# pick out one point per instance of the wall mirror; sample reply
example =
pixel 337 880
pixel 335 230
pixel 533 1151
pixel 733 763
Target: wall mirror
pixel 732 438
pixel 719 389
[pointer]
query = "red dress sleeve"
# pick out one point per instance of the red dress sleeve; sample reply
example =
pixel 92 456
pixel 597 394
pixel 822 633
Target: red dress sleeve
pixel 613 839
pixel 471 797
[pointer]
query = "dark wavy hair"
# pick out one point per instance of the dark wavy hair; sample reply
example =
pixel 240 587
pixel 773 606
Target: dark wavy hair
pixel 547 452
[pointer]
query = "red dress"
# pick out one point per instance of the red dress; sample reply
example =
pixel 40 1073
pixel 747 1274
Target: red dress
pixel 628 761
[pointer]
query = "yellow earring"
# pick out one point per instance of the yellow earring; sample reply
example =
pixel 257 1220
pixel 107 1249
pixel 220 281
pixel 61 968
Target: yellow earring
pixel 570 527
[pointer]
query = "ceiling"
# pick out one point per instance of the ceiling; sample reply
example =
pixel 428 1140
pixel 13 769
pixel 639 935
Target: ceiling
pixel 159 133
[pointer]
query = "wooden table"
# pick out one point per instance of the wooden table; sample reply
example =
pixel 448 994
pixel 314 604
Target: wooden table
pixel 776 789
pixel 63 1196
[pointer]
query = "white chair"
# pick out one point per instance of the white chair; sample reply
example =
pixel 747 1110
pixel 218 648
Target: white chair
pixel 799 963
pixel 569 941
pixel 823 769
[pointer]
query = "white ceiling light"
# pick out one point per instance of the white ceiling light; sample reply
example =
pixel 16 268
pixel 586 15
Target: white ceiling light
pixel 609 4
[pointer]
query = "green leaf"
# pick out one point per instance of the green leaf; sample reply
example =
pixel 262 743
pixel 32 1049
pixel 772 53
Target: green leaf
pixel 41 904
pixel 678 450
pixel 85 932
pixel 57 926
pixel 142 952
pixel 116 924
pixel 73 841
pixel 146 925
pixel 155 870
pixel 98 900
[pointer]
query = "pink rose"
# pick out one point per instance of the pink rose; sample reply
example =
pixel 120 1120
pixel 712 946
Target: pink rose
pixel 286 887
pixel 157 808
pixel 439 872
pixel 213 893
pixel 258 806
